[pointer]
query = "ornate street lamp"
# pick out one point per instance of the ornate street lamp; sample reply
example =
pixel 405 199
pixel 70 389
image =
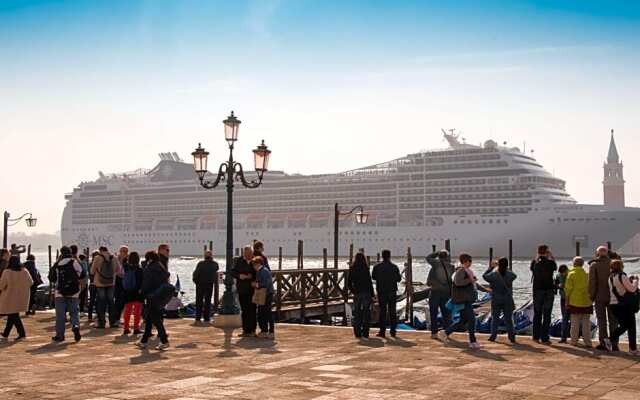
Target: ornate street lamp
pixel 30 220
pixel 230 171
pixel 361 218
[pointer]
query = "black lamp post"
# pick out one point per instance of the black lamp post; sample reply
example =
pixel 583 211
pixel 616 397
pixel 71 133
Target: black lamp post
pixel 361 219
pixel 31 222
pixel 230 171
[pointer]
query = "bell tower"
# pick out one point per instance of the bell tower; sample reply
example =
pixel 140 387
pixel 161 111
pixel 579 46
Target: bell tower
pixel 613 183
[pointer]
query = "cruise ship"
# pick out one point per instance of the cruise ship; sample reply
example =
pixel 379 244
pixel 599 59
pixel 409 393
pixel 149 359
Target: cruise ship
pixel 477 196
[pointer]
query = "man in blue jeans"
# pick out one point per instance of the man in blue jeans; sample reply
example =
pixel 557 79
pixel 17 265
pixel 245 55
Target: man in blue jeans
pixel 104 269
pixel 439 282
pixel 66 274
pixel 543 269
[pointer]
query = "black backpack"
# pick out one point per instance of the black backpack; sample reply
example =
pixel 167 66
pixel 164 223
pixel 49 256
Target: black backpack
pixel 627 299
pixel 68 282
pixel 106 270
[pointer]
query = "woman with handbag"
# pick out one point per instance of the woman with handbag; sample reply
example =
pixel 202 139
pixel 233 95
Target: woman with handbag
pixel 464 293
pixel 263 298
pixel 624 305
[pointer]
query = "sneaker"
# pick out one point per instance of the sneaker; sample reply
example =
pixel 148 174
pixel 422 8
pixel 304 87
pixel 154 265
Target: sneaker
pixel 162 346
pixel 634 352
pixel 547 342
pixel 76 334
pixel 442 335
pixel 607 345
pixel 57 339
pixel 475 346
pixel 21 337
pixel 142 345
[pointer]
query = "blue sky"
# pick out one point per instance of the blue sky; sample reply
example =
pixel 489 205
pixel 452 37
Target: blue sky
pixel 116 82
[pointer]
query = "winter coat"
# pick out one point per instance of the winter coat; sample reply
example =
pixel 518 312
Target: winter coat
pixel 242 266
pixel 576 291
pixel 15 290
pixel 264 279
pixel 97 265
pixel 501 285
pixel 360 281
pixel 387 275
pixel 135 294
pixel 33 271
pixel 206 272
pixel 543 270
pixel 154 276
pixel 599 280
pixel 439 278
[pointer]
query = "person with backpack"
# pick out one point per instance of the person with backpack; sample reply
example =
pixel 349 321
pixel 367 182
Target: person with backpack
pixel 104 269
pixel 625 298
pixel 204 277
pixel 66 274
pixel 542 269
pixel 439 282
pixel 132 286
pixel 501 280
pixel 157 292
pixel 464 293
pixel 30 265
pixel 15 284
pixel 387 275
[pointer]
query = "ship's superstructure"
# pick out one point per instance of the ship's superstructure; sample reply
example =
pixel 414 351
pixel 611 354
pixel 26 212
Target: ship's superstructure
pixel 477 196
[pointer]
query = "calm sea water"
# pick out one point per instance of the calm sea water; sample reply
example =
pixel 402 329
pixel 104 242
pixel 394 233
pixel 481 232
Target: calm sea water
pixel 522 286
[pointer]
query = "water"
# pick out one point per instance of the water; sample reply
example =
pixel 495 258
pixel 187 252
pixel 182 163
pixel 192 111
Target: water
pixel 521 290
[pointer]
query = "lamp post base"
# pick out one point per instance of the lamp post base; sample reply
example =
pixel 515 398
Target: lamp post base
pixel 227 321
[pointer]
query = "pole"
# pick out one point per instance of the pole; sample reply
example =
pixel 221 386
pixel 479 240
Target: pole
pixel 29 250
pixel 325 261
pixel 609 246
pixel 350 254
pixel 50 286
pixel 5 230
pixel 510 254
pixel 280 258
pixel 336 216
pixel 433 248
pixel 228 303
pixel 210 245
pixel 447 245
pixel 490 255
pixel 577 249
pixel 408 281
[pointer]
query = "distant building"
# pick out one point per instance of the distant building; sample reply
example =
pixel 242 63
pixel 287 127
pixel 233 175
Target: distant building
pixel 613 183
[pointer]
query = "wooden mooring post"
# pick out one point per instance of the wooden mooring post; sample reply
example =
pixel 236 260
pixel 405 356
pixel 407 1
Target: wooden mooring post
pixel 29 250
pixel 300 263
pixel 325 288
pixel 510 254
pixel 408 282
pixel 50 285
pixel 577 248
pixel 210 245
pixel 434 248
pixel 447 245
pixel 490 255
pixel 609 246
pixel 280 258
pixel 350 254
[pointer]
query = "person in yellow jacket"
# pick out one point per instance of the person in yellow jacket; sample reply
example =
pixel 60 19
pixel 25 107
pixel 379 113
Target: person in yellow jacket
pixel 579 305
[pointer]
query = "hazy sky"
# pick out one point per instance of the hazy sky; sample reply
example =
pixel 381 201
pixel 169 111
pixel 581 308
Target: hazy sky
pixel 88 86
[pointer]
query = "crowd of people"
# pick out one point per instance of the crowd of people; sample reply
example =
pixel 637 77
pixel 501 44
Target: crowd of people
pixel 119 287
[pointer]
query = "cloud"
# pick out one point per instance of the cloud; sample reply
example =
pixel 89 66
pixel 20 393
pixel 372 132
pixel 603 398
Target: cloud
pixel 259 17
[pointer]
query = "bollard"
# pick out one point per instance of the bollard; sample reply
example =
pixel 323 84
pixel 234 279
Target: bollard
pixel 510 254
pixel 300 255
pixel 325 260
pixel 280 258
pixel 490 255
pixel 609 246
pixel 447 245
pixel 577 249
pixel 408 282
pixel 210 245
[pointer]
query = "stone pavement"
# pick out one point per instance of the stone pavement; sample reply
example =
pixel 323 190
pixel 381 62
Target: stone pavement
pixel 306 362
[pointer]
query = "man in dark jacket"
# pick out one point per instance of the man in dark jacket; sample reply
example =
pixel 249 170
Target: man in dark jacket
pixel 244 274
pixel 155 276
pixel 439 280
pixel 387 275
pixel 30 265
pixel 361 286
pixel 163 254
pixel 204 276
pixel 599 293
pixel 543 269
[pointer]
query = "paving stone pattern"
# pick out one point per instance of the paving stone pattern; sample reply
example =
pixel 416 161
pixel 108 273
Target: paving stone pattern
pixel 305 362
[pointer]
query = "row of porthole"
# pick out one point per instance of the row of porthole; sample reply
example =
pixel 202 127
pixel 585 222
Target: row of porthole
pixel 490 221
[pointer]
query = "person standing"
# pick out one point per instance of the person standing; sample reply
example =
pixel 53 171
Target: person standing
pixel 439 282
pixel 5 255
pixel 543 269
pixel 258 251
pixel 501 281
pixel 204 277
pixel 30 265
pixel 133 298
pixel 387 275
pixel 561 278
pixel 157 291
pixel 264 280
pixel 163 252
pixel 624 305
pixel 118 290
pixel 578 303
pixel 361 285
pixel 104 269
pixel 92 289
pixel 15 288
pixel 244 274
pixel 464 293
pixel 66 275
pixel 600 294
